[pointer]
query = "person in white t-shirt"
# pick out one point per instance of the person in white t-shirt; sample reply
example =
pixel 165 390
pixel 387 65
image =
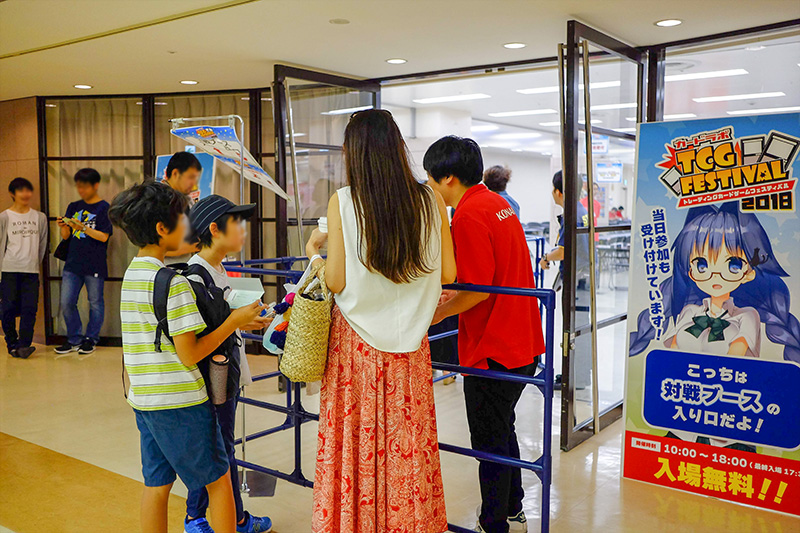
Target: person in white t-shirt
pixel 217 228
pixel 23 243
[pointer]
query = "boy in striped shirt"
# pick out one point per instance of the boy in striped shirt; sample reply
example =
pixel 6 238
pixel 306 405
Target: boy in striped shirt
pixel 179 434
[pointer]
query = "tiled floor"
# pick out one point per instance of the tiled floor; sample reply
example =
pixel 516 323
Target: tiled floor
pixel 76 408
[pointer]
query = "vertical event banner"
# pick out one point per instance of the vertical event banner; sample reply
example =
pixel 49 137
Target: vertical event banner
pixel 222 143
pixel 205 185
pixel 712 402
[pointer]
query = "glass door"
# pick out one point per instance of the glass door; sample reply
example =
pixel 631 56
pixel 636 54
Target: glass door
pixel 602 100
pixel 311 110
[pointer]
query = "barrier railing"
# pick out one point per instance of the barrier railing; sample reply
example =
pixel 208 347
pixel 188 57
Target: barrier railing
pixel 297 415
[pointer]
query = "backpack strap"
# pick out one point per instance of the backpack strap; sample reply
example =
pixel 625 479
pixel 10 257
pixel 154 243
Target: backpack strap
pixel 161 288
pixel 196 269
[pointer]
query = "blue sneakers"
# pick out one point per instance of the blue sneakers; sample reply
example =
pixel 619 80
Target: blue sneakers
pixel 198 525
pixel 254 524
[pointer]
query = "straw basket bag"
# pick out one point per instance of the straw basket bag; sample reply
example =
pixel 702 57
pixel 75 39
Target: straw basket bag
pixel 306 350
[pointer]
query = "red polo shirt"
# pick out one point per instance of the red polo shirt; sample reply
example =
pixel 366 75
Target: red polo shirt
pixel 491 249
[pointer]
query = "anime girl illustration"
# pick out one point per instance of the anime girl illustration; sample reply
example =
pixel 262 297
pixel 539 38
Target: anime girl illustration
pixel 726 283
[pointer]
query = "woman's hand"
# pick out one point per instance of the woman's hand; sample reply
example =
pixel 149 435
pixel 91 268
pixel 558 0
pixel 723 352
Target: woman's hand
pixel 544 264
pixel 316 242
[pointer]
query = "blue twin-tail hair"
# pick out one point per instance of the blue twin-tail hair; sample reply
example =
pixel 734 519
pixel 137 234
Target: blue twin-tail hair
pixel 711 228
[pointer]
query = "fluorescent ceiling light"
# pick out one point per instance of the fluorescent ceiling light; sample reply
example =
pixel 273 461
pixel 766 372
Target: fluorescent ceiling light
pixel 160 103
pixel 520 135
pixel 679 116
pixel 730 97
pixel 554 89
pixel 82 86
pixel 396 61
pixel 594 121
pixel 666 23
pixel 705 75
pixel 604 107
pixel 523 113
pixel 296 135
pixel 548 124
pixel 514 46
pixel 188 82
pixel 50 105
pixel 625 130
pixel 630 119
pixel 346 110
pixel 454 98
pixel 765 110
pixel 754 47
pixel 484 127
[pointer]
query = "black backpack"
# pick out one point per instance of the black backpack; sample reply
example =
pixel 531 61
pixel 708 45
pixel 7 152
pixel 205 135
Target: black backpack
pixel 213 308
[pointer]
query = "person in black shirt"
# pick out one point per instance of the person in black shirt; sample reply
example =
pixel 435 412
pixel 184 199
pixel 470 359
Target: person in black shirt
pixel 88 228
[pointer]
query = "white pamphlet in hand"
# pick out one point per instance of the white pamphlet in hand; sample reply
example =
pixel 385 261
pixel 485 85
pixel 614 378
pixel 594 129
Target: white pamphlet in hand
pixel 244 291
pixel 322 224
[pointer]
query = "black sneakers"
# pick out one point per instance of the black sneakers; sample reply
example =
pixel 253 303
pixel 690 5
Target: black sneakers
pixel 67 348
pixel 86 347
pixel 25 351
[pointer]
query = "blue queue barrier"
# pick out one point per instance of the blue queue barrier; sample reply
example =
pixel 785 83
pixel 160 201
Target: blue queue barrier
pixel 297 415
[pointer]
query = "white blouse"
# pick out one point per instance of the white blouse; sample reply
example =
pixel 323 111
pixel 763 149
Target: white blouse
pixel 743 323
pixel 391 317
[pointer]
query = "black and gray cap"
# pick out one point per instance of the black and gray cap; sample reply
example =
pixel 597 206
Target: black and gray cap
pixel 210 208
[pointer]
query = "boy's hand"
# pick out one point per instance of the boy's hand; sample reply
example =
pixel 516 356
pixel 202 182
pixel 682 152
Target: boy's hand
pixel 248 314
pixel 544 264
pixel 258 324
pixel 60 222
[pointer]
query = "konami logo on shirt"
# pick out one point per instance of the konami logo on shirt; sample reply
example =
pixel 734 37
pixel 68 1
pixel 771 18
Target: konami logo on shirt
pixel 505 213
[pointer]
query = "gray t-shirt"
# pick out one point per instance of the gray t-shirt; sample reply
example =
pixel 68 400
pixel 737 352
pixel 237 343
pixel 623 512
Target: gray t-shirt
pixel 22 242
pixel 220 278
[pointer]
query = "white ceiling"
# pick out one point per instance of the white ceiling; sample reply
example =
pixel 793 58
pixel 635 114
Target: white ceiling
pixel 237 46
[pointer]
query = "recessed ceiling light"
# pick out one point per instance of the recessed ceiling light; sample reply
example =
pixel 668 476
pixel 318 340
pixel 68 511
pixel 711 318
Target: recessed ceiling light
pixel 82 86
pixel 346 110
pixel 704 75
pixel 396 61
pixel 160 103
pixel 514 46
pixel 484 127
pixel 754 47
pixel 679 116
pixel 630 119
pixel 188 82
pixel 666 23
pixel 523 113
pixel 519 135
pixel 729 97
pixel 594 121
pixel 548 124
pixel 50 105
pixel 339 21
pixel 765 110
pixel 454 98
pixel 603 107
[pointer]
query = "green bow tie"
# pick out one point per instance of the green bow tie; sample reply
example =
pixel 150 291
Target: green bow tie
pixel 716 325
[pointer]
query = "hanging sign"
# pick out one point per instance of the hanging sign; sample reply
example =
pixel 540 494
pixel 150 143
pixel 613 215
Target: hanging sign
pixel 712 403
pixel 222 143
pixel 608 171
pixel 205 185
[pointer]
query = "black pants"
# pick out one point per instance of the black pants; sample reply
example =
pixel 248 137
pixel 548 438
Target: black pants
pixel 445 350
pixel 20 293
pixel 490 414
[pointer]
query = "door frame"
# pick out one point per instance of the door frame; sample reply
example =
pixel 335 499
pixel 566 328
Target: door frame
pixel 573 434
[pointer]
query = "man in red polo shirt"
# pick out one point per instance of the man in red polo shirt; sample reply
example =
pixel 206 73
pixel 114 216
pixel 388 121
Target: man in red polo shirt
pixel 499 332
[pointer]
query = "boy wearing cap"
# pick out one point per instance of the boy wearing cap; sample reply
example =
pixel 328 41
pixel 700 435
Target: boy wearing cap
pixel 217 228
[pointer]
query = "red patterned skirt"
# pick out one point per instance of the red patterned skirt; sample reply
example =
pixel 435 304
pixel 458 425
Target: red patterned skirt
pixel 378 465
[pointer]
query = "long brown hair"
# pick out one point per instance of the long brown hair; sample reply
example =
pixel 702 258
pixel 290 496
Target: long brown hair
pixel 394 212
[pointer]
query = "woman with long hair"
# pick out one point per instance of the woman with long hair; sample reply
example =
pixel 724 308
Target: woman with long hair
pixel 389 252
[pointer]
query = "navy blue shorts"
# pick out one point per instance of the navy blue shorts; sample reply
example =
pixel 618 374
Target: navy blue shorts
pixel 186 442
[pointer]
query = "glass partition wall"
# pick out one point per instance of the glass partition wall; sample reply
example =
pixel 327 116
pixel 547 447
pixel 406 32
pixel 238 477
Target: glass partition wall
pixel 121 137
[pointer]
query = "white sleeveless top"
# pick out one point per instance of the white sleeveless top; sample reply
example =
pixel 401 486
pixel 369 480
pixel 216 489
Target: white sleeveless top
pixel 391 317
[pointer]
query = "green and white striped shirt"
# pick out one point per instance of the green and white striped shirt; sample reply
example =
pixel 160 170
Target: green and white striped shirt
pixel 159 380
